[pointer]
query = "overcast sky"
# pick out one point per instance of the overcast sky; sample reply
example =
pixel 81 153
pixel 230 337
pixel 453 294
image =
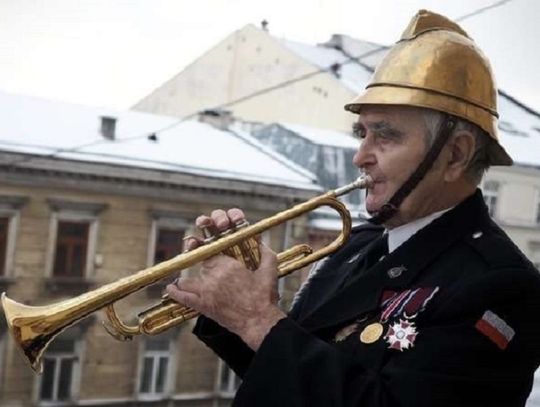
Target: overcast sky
pixel 111 53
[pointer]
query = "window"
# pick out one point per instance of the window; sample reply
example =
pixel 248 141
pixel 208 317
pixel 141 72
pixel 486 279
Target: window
pixel 60 365
pixel 3 335
pixel 491 196
pixel 166 236
pixel 538 208
pixel 4 226
pixel 228 380
pixel 72 240
pixel 534 253
pixel 168 244
pixel 9 218
pixel 155 367
pixel 71 249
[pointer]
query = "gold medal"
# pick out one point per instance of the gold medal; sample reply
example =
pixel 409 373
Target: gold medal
pixel 371 333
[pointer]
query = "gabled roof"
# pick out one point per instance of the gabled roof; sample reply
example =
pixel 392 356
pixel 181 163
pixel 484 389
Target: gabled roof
pixel 519 125
pixel 323 137
pixel 71 132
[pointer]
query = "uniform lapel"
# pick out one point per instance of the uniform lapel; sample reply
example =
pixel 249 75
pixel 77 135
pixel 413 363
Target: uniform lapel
pixel 362 295
pixel 328 281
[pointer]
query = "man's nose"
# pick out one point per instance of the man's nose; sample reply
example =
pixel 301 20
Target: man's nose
pixel 364 156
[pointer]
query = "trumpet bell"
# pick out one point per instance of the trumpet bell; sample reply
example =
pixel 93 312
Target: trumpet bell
pixel 29 328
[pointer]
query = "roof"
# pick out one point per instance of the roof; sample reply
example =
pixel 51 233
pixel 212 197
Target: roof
pixel 519 125
pixel 72 132
pixel 323 137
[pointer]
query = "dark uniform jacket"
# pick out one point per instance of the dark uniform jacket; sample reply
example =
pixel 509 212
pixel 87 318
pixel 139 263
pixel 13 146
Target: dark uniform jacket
pixel 460 309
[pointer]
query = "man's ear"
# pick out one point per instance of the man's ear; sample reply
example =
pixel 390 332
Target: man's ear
pixel 460 151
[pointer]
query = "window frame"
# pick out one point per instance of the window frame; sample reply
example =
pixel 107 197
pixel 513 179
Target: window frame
pixel 233 381
pixel 489 195
pixel 3 349
pixel 170 353
pixel 164 220
pixel 73 212
pixel 10 207
pixel 69 241
pixel 537 206
pixel 76 373
pixel 13 217
pixel 534 253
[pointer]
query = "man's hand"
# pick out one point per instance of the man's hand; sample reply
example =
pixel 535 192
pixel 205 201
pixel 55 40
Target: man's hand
pixel 241 300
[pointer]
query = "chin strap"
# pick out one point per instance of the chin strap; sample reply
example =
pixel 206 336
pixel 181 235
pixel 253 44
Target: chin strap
pixel 391 207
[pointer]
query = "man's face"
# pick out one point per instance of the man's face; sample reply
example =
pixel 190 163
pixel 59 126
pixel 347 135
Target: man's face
pixel 393 145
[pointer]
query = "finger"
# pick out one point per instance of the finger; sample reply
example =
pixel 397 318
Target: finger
pixel 221 220
pixel 268 259
pixel 183 297
pixel 217 261
pixel 236 215
pixel 191 242
pixel 204 221
pixel 190 284
pixel 207 226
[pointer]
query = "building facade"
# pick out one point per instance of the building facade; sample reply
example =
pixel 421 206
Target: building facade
pixel 77 214
pixel 304 84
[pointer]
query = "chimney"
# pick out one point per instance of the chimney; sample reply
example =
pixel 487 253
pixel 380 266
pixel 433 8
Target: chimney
pixel 336 42
pixel 219 118
pixel 108 127
pixel 264 25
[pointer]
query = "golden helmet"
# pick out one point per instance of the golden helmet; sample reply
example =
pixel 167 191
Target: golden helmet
pixel 436 65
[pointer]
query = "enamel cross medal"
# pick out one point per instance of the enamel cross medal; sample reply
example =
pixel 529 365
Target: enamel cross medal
pixel 401 335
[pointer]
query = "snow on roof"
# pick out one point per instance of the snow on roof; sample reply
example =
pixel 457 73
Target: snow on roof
pixel 352 75
pixel 519 126
pixel 37 126
pixel 519 131
pixel 323 137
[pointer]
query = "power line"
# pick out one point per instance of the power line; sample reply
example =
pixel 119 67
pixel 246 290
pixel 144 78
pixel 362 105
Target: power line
pixel 255 94
pixel 482 10
pixel 252 95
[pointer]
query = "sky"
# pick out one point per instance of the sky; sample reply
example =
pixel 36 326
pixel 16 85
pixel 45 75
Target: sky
pixel 111 53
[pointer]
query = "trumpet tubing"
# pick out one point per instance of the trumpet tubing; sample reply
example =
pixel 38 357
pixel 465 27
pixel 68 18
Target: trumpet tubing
pixel 34 327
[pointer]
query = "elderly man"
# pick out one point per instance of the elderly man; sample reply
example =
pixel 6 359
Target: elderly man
pixel 438 308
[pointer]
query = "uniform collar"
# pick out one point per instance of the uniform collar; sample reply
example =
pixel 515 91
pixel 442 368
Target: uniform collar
pixel 412 257
pixel 399 235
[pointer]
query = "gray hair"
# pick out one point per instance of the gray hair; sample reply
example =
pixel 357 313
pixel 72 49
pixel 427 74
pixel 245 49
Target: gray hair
pixel 479 163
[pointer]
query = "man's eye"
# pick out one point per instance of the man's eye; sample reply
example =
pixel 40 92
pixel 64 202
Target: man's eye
pixel 359 131
pixel 386 136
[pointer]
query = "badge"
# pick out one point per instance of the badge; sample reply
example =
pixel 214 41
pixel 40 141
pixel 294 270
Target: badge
pixel 371 333
pixel 401 335
pixel 496 329
pixel 395 272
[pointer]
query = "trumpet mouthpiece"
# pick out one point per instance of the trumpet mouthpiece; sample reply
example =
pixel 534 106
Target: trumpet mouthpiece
pixel 360 183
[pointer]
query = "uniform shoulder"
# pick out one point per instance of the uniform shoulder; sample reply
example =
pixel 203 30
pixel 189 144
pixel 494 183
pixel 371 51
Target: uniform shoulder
pixel 497 250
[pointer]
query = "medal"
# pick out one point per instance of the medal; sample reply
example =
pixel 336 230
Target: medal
pixel 371 333
pixel 401 335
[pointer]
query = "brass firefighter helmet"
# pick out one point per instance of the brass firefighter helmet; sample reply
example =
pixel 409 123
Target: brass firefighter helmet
pixel 436 65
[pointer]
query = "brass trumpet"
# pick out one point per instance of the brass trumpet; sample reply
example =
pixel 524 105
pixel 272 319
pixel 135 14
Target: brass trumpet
pixel 34 327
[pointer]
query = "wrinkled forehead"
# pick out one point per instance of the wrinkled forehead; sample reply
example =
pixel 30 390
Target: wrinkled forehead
pixel 403 118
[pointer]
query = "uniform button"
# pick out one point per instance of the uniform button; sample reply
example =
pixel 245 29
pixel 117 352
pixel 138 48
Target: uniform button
pixel 476 235
pixel 395 272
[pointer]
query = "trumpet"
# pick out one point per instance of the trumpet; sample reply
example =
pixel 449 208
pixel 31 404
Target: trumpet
pixel 33 328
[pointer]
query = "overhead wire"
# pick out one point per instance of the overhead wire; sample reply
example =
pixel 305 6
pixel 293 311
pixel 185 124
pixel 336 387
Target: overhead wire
pixel 260 92
pixel 245 98
pixel 481 10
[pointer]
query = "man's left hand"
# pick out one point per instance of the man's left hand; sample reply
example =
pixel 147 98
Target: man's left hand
pixel 240 300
